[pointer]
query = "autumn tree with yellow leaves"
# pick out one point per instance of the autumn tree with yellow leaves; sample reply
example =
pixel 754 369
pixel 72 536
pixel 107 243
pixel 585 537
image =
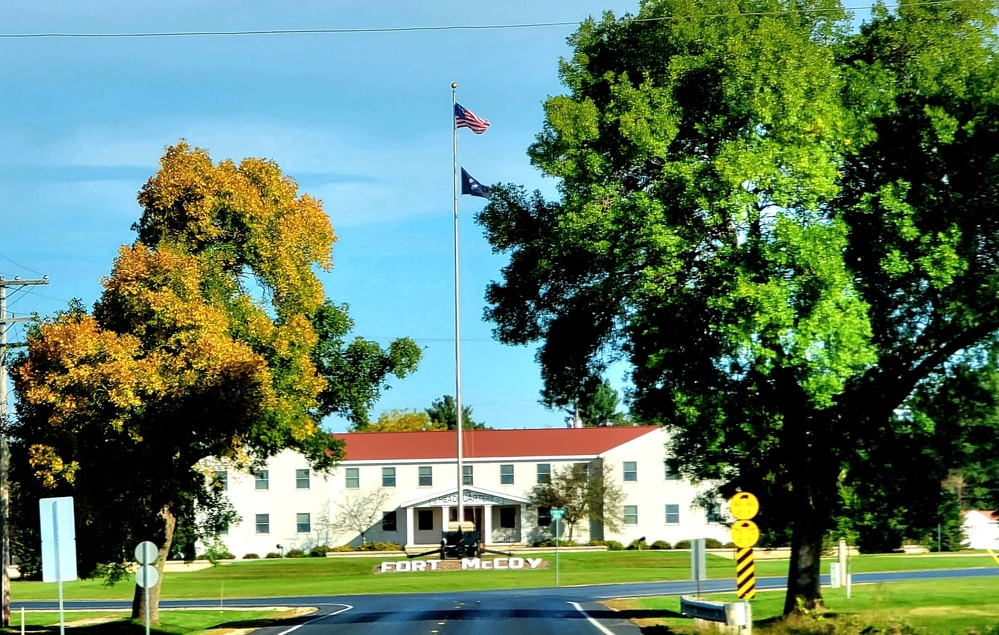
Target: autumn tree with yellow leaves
pixel 403 421
pixel 212 338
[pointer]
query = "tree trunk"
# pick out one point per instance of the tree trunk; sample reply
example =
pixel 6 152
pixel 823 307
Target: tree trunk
pixel 803 584
pixel 165 539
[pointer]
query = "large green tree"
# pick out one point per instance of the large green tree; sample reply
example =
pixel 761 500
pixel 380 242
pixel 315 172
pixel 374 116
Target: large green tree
pixel 444 411
pixel 598 406
pixel 212 338
pixel 583 493
pixel 785 225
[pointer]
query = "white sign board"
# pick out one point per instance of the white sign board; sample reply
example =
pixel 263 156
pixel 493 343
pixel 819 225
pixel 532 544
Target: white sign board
pixel 146 553
pixel 147 576
pixel 58 539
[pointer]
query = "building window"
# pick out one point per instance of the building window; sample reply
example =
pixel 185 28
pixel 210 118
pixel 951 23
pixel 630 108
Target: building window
pixel 303 523
pixel 672 514
pixel 544 472
pixel 631 471
pixel 670 474
pixel 631 514
pixel 353 477
pixel 714 513
pixel 544 516
pixel 221 481
pixel 508 517
pixel 426 475
pixel 388 477
pixel 425 519
pixel 302 479
pixel 506 474
pixel 261 480
pixel 580 469
pixel 467 477
pixel 388 521
pixel 263 523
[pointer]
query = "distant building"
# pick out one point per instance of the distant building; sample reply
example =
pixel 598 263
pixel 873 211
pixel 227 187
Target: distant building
pixel 981 529
pixel 415 473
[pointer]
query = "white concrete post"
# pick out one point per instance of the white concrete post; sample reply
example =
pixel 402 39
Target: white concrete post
pixel 842 562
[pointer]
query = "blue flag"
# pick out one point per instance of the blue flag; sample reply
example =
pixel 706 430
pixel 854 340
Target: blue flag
pixel 472 187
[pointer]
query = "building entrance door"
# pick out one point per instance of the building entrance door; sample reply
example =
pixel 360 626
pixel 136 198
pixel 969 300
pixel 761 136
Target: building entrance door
pixel 472 514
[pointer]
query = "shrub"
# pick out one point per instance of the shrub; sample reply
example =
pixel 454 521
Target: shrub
pixel 251 556
pixel 711 543
pixel 318 552
pixel 295 553
pixel 612 545
pixel 380 546
pixel 273 554
pixel 681 544
pixel 660 544
pixel 550 542
pixel 342 549
pixel 638 544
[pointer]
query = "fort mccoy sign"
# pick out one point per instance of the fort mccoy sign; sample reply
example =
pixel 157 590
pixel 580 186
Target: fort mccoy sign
pixel 465 564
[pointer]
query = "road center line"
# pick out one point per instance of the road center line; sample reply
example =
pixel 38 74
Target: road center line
pixel 346 607
pixel 595 623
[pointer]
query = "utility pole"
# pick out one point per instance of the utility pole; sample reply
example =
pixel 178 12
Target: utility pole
pixel 5 322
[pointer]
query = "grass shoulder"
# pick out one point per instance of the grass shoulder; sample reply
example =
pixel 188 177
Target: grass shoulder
pixel 898 608
pixel 172 622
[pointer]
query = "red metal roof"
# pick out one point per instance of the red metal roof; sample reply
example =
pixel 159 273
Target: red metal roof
pixel 478 444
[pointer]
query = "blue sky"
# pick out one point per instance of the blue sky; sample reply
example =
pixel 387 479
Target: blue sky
pixel 359 120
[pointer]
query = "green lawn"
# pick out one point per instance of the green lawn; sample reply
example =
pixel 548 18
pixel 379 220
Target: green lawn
pixel 939 607
pixel 344 576
pixel 944 606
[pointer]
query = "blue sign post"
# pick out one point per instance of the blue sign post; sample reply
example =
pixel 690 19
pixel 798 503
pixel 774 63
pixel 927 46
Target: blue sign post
pixel 58 531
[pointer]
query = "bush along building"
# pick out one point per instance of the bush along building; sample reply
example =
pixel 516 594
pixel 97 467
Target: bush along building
pixel 401 487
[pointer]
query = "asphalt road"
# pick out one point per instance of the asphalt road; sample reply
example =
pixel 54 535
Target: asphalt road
pixel 528 611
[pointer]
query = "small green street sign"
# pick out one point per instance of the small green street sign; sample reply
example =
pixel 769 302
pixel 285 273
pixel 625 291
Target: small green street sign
pixel 557 512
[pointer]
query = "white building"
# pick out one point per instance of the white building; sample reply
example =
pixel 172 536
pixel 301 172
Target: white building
pixel 981 529
pixel 413 477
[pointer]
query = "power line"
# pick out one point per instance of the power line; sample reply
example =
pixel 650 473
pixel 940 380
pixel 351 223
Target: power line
pixel 20 265
pixel 453 27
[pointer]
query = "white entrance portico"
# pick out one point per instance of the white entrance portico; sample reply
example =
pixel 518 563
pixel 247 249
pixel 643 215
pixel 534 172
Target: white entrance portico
pixel 498 517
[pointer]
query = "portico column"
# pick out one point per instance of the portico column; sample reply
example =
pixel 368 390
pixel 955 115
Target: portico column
pixel 445 517
pixel 410 540
pixel 487 525
pixel 521 523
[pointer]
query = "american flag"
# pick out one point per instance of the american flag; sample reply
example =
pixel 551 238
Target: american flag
pixel 466 119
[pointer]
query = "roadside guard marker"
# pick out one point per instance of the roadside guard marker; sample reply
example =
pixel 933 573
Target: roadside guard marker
pixel 745 534
pixel 745 574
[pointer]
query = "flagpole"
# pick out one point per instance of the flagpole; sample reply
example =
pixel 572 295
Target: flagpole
pixel 457 308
